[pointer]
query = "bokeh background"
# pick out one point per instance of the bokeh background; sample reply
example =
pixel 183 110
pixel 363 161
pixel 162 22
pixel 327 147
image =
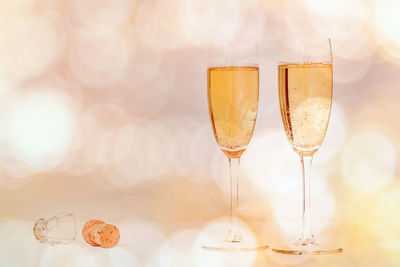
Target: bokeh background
pixel 103 113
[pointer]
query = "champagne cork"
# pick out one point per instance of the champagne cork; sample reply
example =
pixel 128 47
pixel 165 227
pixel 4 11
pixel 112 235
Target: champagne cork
pixel 98 233
pixel 86 230
pixel 106 235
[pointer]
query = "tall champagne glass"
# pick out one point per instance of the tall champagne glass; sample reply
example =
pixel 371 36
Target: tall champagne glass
pixel 232 90
pixel 305 98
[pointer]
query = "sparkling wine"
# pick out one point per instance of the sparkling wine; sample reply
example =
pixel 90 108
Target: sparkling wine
pixel 233 102
pixel 305 97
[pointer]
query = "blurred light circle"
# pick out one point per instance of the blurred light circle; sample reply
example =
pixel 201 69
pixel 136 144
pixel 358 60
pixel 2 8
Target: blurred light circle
pixel 95 138
pixel 332 18
pixel 104 15
pixel 71 255
pixel 209 21
pixel 143 66
pixel 297 14
pixel 123 142
pixel 130 170
pixel 146 24
pixel 20 4
pixel 387 226
pixel 76 162
pixel 143 102
pixel 335 135
pixel 18 246
pixel 120 257
pixel 100 146
pixel 256 26
pixel 105 53
pixel 266 168
pixel 39 128
pixel 220 169
pixel 151 239
pixel 387 26
pixel 202 143
pixel 177 251
pixel 156 24
pixel 12 168
pixel 158 150
pixel 336 9
pixel 21 59
pixel 99 138
pixel 98 59
pixel 358 46
pixel 116 257
pixel 249 5
pixel 150 154
pixel 110 115
pixel 349 71
pixel 391 246
pixel 5 88
pixel 286 208
pixel 167 20
pixel 187 152
pixel 277 171
pixel 8 181
pixel 368 161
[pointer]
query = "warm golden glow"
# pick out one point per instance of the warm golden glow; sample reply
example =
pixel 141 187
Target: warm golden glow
pixel 104 113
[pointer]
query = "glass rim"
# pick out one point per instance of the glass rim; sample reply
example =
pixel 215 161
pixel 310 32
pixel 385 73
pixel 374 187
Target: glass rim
pixel 222 65
pixel 280 63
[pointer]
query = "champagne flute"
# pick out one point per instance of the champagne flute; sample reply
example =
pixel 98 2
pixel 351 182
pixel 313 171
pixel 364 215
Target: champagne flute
pixel 232 90
pixel 305 98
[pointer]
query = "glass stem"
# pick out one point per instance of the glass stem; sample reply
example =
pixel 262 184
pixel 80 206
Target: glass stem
pixel 307 236
pixel 234 234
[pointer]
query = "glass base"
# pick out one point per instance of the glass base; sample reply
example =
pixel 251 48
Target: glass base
pixel 234 246
pixel 307 248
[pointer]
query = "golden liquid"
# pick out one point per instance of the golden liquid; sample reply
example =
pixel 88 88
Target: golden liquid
pixel 305 98
pixel 232 103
